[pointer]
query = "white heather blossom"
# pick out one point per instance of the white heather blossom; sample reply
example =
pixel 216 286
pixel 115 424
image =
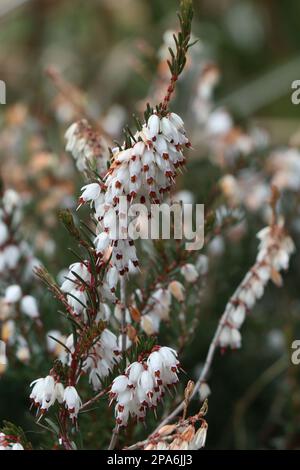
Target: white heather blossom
pixel 202 265
pixel 13 294
pixel 143 385
pixel 141 173
pixel 72 401
pixel 274 251
pixel 102 242
pixel 29 306
pixel 72 281
pixel 150 324
pixel 156 310
pixel 86 146
pixel 11 200
pixel 189 272
pixel 55 347
pixel 11 255
pixel 102 358
pixel 91 192
pixel 284 164
pixel 22 350
pixel 74 286
pixel 118 313
pixel 14 254
pixel 45 392
pixel 77 300
pixel 199 439
pixel 220 122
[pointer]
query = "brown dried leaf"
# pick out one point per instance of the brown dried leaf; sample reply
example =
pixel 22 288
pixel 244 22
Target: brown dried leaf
pixel 276 278
pixel 135 314
pixel 131 333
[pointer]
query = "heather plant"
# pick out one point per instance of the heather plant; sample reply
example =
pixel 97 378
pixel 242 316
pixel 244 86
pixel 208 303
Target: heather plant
pixel 129 309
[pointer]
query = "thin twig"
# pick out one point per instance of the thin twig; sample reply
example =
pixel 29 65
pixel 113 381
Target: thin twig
pixel 123 313
pixel 95 398
pixel 115 432
pixel 114 438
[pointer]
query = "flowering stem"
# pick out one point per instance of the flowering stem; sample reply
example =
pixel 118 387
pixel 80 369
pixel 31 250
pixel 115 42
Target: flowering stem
pixel 123 310
pixel 115 432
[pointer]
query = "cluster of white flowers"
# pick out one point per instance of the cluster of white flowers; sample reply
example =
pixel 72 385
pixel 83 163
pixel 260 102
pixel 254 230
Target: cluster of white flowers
pixel 143 385
pixel 10 216
pixel 27 303
pixel 189 272
pixel 284 165
pixel 7 443
pixel 77 281
pixel 86 146
pixel 225 140
pixel 274 252
pixel 55 346
pixel 158 305
pixel 16 262
pixel 248 188
pixel 251 187
pixel 141 173
pixel 11 304
pixel 102 357
pixel 75 284
pixel 46 390
pixel 157 309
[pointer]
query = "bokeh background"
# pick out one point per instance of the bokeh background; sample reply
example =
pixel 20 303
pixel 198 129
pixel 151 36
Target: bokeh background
pixel 105 55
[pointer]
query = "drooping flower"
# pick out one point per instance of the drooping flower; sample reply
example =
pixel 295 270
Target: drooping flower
pixel 13 294
pixel 72 401
pixel 45 391
pixel 189 272
pixel 29 306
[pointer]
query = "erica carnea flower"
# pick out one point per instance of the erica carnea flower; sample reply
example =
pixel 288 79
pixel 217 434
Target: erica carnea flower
pixel 13 294
pixel 142 173
pixel 45 392
pixel 143 385
pixel 102 357
pixel 72 401
pixel 157 309
pixel 75 285
pixel 86 146
pixel 14 252
pixel 29 306
pixel 189 272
